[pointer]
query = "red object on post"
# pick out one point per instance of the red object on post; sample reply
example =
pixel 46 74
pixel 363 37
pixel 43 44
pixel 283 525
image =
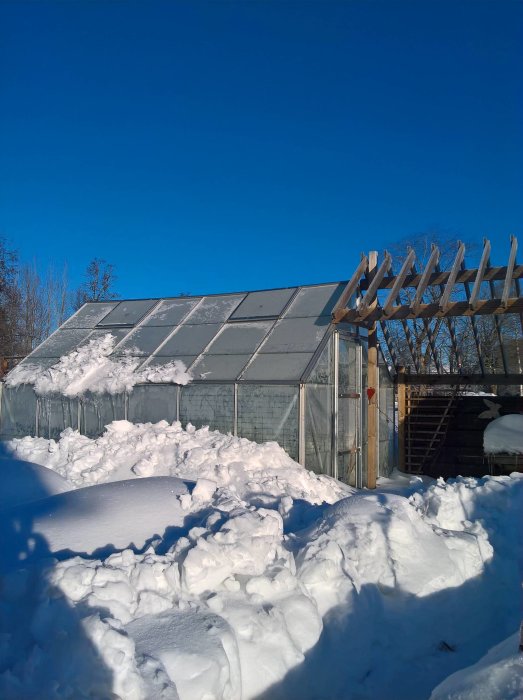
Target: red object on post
pixel 370 392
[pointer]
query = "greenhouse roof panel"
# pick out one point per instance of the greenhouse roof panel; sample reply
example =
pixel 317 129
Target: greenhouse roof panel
pixel 61 343
pixel 215 309
pixel 315 301
pixel 278 366
pixel 219 366
pixel 171 312
pixel 90 315
pixel 189 339
pixel 128 313
pixel 238 338
pixel 267 304
pixel 143 340
pixel 296 335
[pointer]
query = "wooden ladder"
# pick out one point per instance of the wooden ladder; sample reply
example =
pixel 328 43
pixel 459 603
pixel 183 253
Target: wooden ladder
pixel 427 420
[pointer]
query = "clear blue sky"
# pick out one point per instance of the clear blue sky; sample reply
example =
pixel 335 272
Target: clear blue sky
pixel 217 146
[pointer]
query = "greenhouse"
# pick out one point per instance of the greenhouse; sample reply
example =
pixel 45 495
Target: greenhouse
pixel 264 365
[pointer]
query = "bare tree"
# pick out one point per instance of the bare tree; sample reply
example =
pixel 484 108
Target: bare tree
pixel 98 284
pixel 9 301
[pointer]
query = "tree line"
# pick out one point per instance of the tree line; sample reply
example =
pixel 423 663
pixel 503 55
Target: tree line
pixel 33 305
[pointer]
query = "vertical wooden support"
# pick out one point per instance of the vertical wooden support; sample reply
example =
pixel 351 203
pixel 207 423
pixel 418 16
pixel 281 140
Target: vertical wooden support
pixel 372 382
pixel 402 413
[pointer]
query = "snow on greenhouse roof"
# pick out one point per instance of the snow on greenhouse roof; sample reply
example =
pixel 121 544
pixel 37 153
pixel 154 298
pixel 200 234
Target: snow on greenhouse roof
pixel 269 335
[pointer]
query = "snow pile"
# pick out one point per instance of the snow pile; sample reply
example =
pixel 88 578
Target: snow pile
pixel 89 368
pixel 498 675
pixel 126 450
pixel 504 435
pixel 253 578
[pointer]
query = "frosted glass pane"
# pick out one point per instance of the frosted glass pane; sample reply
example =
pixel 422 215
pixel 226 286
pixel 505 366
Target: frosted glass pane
pixel 55 414
pixel 348 366
pixel 296 335
pixel 315 301
pixel 90 314
pixel 189 340
pixel 128 313
pixel 208 404
pixel 318 427
pixel 118 333
pixel 215 309
pixel 171 312
pixel 238 338
pixel 152 403
pixel 143 340
pixel 323 370
pixel 278 366
pixel 39 363
pixel 263 304
pixel 219 366
pixel 269 413
pixel 97 411
pixel 18 414
pixel 61 343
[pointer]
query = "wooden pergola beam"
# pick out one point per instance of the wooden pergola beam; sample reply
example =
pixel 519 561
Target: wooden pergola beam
pixel 455 308
pixel 473 323
pixel 460 379
pixel 369 300
pixel 480 274
pixel 445 297
pixel 399 281
pixel 493 273
pixel 510 270
pixel 424 281
pixel 351 287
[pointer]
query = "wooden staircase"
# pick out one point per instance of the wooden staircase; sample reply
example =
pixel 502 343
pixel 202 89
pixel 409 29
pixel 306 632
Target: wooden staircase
pixel 427 420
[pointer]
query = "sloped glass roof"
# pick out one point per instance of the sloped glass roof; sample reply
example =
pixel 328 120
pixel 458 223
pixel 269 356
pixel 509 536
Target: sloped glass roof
pixel 269 335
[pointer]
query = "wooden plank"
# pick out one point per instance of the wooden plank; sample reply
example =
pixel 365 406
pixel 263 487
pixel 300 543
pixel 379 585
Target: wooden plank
pixel 398 282
pixel 485 257
pixel 370 297
pixel 424 281
pixel 464 379
pixel 510 270
pixel 401 416
pixel 372 381
pixel 456 308
pixel 349 290
pixel 493 273
pixel 445 299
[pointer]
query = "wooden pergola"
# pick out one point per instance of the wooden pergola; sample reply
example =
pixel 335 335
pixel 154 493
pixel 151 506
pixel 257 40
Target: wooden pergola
pixel 421 318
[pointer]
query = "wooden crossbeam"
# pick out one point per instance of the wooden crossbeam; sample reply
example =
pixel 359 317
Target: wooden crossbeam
pixel 461 379
pixel 455 308
pixel 349 290
pixel 473 322
pixel 485 257
pixel 369 299
pixel 493 273
pixel 399 280
pixel 424 281
pixel 510 269
pixel 445 298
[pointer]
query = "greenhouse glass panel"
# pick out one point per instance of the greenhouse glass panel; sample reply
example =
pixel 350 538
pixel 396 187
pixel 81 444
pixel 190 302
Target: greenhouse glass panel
pixel 296 335
pixel 189 340
pixel 97 411
pixel 215 309
pixel 269 413
pixel 60 343
pixel 55 414
pixel 240 338
pixel 152 403
pixel 208 404
pixel 171 312
pixel 268 304
pixel 143 340
pixel 90 315
pixel 38 363
pixel 219 366
pixel 18 412
pixel 278 366
pixel 160 361
pixel 315 301
pixel 118 334
pixel 128 313
pixel 319 401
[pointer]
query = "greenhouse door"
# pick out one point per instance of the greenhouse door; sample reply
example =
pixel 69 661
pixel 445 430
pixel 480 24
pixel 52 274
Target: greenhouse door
pixel 349 443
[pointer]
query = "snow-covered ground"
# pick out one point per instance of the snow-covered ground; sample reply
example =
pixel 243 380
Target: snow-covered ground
pixel 157 562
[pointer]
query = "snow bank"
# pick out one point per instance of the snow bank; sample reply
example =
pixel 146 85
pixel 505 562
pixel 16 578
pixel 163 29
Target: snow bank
pixel 256 472
pixel 504 435
pixel 24 481
pixel 256 580
pixel 89 368
pixel 497 676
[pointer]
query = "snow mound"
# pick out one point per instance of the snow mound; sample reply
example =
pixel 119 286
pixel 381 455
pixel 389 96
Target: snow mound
pixel 259 473
pixel 504 435
pixel 89 368
pixel 497 676
pixel 23 481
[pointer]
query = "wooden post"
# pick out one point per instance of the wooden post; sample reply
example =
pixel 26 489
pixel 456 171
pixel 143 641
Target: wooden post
pixel 372 382
pixel 402 406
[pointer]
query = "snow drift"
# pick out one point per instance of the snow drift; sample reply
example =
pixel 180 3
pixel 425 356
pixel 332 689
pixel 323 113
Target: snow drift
pixel 504 435
pixel 238 574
